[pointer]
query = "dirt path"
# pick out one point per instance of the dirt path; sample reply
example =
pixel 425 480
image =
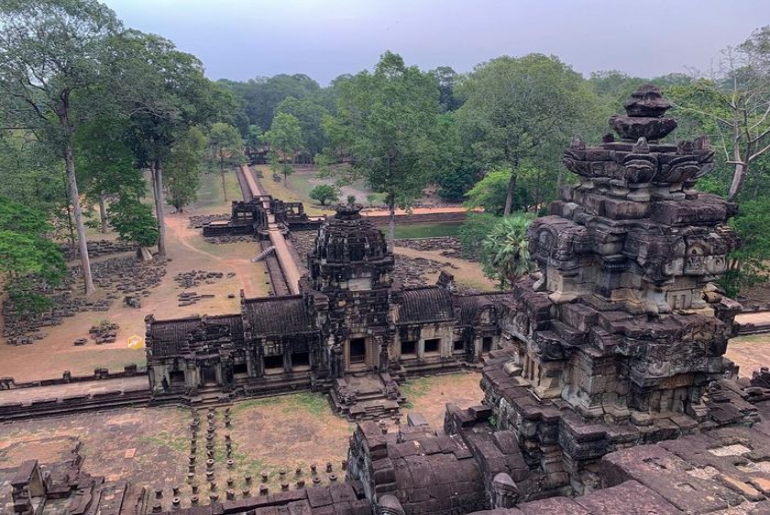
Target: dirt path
pixel 187 251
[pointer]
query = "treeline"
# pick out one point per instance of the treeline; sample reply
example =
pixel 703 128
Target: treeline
pixel 91 108
pixel 493 138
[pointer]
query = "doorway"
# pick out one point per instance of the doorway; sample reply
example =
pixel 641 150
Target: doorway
pixel 357 351
pixel 209 375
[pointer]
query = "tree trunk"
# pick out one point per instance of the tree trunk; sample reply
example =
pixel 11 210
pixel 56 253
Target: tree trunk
pixel 85 263
pixel 159 208
pixel 69 212
pixel 103 214
pixel 222 173
pixel 737 183
pixel 391 221
pixel 509 195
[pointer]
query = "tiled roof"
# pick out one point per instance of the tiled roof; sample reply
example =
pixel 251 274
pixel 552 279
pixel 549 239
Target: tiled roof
pixel 426 304
pixel 169 337
pixel 278 316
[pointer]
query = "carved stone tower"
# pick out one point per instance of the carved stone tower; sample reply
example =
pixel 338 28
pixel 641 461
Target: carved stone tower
pixel 351 275
pixel 624 311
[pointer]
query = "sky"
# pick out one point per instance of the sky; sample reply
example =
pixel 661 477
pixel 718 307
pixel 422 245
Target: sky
pixel 242 39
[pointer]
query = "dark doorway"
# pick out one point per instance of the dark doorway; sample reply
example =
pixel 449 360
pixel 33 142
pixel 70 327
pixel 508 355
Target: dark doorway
pixel 300 361
pixel 240 370
pixel 486 344
pixel 273 364
pixel 408 349
pixel 357 350
pixel 177 377
pixel 432 346
pixel 209 375
pixel 458 346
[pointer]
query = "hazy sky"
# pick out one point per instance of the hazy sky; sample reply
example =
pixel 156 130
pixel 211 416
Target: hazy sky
pixel 240 39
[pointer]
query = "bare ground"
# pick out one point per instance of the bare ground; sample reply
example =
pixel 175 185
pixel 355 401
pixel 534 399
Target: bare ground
pixel 49 357
pixel 150 446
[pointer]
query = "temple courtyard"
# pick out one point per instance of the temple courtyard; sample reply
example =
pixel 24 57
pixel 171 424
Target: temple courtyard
pixel 150 446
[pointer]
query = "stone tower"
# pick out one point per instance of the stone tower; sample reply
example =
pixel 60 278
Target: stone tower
pixel 350 281
pixel 619 337
pixel 623 315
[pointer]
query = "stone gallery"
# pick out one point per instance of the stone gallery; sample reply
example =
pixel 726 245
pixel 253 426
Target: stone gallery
pixel 352 331
pixel 606 389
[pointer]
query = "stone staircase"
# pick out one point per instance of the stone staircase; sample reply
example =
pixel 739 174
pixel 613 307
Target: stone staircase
pixel 210 397
pixel 364 398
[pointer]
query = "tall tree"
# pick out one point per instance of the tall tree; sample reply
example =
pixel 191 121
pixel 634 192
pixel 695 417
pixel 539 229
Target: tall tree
pixel 309 114
pixel 183 171
pixel 106 162
pixel 227 144
pixel 520 108
pixel 168 94
pixel 446 79
pixel 735 103
pixel 387 123
pixel 52 58
pixel 285 140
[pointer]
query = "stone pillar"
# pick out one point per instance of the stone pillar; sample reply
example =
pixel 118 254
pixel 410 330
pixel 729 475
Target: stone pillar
pixel 477 345
pixel 384 359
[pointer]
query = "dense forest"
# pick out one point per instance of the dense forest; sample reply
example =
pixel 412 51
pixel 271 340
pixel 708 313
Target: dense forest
pixel 89 109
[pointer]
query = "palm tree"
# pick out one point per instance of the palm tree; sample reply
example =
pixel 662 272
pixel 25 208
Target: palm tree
pixel 506 251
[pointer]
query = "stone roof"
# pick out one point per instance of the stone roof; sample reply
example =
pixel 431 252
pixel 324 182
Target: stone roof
pixel 270 316
pixel 471 305
pixel 170 337
pixel 426 304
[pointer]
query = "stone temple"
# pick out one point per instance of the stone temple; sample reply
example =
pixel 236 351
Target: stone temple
pixel 606 389
pixel 352 331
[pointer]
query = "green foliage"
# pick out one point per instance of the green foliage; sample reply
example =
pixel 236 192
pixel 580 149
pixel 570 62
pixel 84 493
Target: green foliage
pixel 732 108
pixel 474 230
pixel 748 263
pixel 134 221
pixel 184 168
pixel 490 192
pixel 519 110
pixel 386 124
pixel 351 200
pixel 262 96
pixel 227 144
pixel 285 140
pixel 505 254
pixel 309 115
pixel 324 193
pixel 253 136
pixel 27 256
pixel 373 198
pixel 104 159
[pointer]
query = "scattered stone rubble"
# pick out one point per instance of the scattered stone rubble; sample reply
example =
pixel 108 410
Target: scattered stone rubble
pixel 198 221
pixel 98 248
pixel 104 332
pixel 449 246
pixel 218 240
pixel 188 298
pixel 194 278
pixel 115 277
pixel 411 272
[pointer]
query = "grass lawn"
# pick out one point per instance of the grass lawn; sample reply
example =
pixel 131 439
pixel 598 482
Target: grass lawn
pixel 427 230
